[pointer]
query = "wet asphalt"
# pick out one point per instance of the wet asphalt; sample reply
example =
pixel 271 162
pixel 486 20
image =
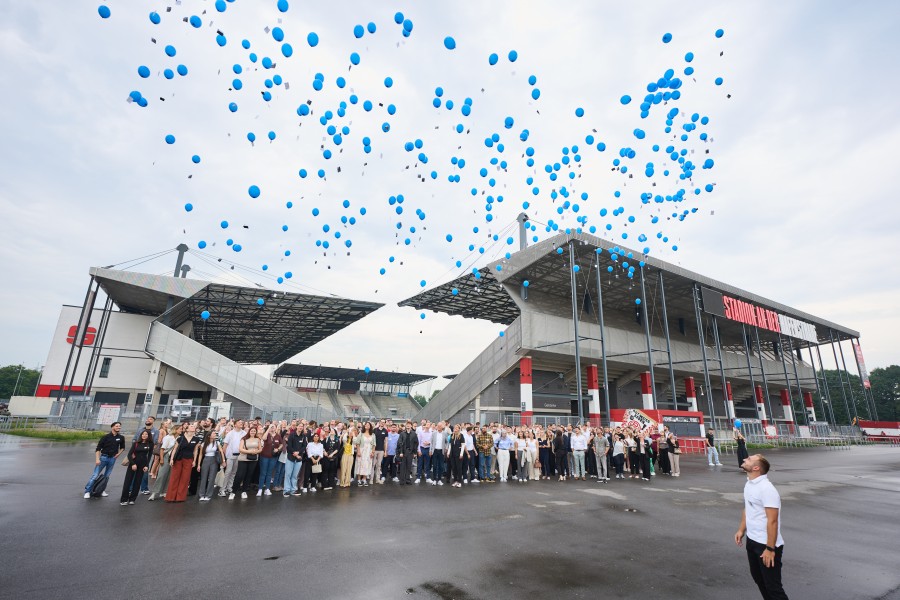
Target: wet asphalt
pixel 671 538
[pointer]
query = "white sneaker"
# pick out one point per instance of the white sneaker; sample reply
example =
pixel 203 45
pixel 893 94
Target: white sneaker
pixel 428 480
pixel 503 480
pixel 432 482
pixel 258 494
pixel 304 490
pixel 104 494
pixel 268 492
pixel 418 480
pixel 222 494
pixel 440 483
pixel 313 489
pixel 243 494
pixel 87 495
pixel 395 479
pixel 718 464
pixel 465 481
pixel 231 496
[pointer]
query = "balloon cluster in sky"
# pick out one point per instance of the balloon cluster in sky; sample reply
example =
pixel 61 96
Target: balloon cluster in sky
pixel 661 171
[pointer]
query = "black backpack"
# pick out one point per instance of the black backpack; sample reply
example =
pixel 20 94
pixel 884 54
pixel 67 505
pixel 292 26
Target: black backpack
pixel 99 486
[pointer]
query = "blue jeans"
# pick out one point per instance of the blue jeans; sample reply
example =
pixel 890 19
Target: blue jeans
pixel 106 462
pixel 291 472
pixel 424 463
pixel 484 465
pixel 145 483
pixel 712 453
pixel 278 476
pixel 437 465
pixel 266 466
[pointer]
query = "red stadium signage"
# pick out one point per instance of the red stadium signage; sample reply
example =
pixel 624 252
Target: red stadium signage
pixel 90 334
pixel 751 314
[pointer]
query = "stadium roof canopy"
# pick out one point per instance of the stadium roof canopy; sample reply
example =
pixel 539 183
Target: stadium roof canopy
pixel 340 374
pixel 496 294
pixel 238 327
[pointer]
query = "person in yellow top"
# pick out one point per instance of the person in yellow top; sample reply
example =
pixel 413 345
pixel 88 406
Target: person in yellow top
pixel 347 457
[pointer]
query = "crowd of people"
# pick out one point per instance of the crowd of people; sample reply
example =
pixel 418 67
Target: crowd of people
pixel 232 458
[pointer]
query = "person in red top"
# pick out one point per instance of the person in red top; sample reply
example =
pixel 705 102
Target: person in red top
pixel 272 443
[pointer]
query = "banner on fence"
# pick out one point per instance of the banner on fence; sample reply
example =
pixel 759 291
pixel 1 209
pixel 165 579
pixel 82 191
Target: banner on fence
pixel 108 414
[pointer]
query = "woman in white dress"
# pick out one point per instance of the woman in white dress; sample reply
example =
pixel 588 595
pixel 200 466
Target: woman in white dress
pixel 365 454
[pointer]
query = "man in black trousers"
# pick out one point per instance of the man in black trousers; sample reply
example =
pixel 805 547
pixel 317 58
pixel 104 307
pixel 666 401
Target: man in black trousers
pixel 407 446
pixel 761 523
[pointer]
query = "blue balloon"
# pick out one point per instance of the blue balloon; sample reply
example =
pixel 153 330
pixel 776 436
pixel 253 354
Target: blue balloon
pixel 398 18
pixel 195 159
pixel 359 31
pixel 283 5
pixel 204 315
pixel 144 71
pixel 371 27
pixel 155 18
pixel 688 57
pixel 103 10
pixel 719 81
pixel 367 370
pixel 168 73
pixel 492 59
pixel 196 22
pixel 513 55
pixel 188 207
pixel 625 99
pixel 271 135
pixel 354 58
pixel 637 301
pixel 449 43
pixel 312 39
pixel 388 82
pixel 737 423
pixel 170 139
pixel 233 107
pixel 720 33
pixel 221 6
pixel 253 191
pixel 224 224
pixel 287 50
pixel 535 93
pixel 201 244
pixel 579 112
pixel 170 50
pixel 666 38
pixel 182 70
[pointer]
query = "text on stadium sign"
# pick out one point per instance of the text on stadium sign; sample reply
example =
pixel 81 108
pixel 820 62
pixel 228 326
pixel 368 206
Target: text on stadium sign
pixel 750 314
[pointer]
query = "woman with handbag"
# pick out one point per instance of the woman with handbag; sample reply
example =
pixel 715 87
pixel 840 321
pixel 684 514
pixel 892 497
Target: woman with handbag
pixel 138 463
pixel 315 451
pixel 675 455
pixel 181 462
pixel 249 450
pixel 208 457
pixel 163 469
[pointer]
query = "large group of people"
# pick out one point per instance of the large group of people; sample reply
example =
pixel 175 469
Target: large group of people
pixel 232 458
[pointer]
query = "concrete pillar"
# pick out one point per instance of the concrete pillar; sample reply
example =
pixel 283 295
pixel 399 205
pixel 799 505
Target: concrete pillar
pixel 478 408
pixel 593 382
pixel 810 407
pixel 525 393
pixel 786 407
pixel 646 390
pixel 691 392
pixel 761 407
pixel 729 401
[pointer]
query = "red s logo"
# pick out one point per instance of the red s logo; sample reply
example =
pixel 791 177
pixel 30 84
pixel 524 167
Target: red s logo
pixel 89 335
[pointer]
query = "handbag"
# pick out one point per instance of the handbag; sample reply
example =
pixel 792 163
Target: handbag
pixel 317 468
pixel 252 457
pixel 220 478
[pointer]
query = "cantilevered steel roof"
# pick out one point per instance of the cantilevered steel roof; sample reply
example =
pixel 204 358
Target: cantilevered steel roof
pixel 495 295
pixel 477 298
pixel 247 332
pixel 339 374
pixel 142 293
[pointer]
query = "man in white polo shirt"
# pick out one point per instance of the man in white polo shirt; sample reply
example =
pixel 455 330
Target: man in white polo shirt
pixel 761 522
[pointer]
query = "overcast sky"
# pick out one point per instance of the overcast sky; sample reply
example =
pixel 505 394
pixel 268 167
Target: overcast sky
pixel 803 211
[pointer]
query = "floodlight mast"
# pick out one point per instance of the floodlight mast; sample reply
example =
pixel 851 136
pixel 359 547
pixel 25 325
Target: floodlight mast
pixel 523 232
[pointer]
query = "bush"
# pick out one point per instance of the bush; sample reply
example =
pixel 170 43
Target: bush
pixel 57 435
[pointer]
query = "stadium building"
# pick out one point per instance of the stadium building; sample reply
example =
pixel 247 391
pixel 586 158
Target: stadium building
pixel 140 345
pixel 626 332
